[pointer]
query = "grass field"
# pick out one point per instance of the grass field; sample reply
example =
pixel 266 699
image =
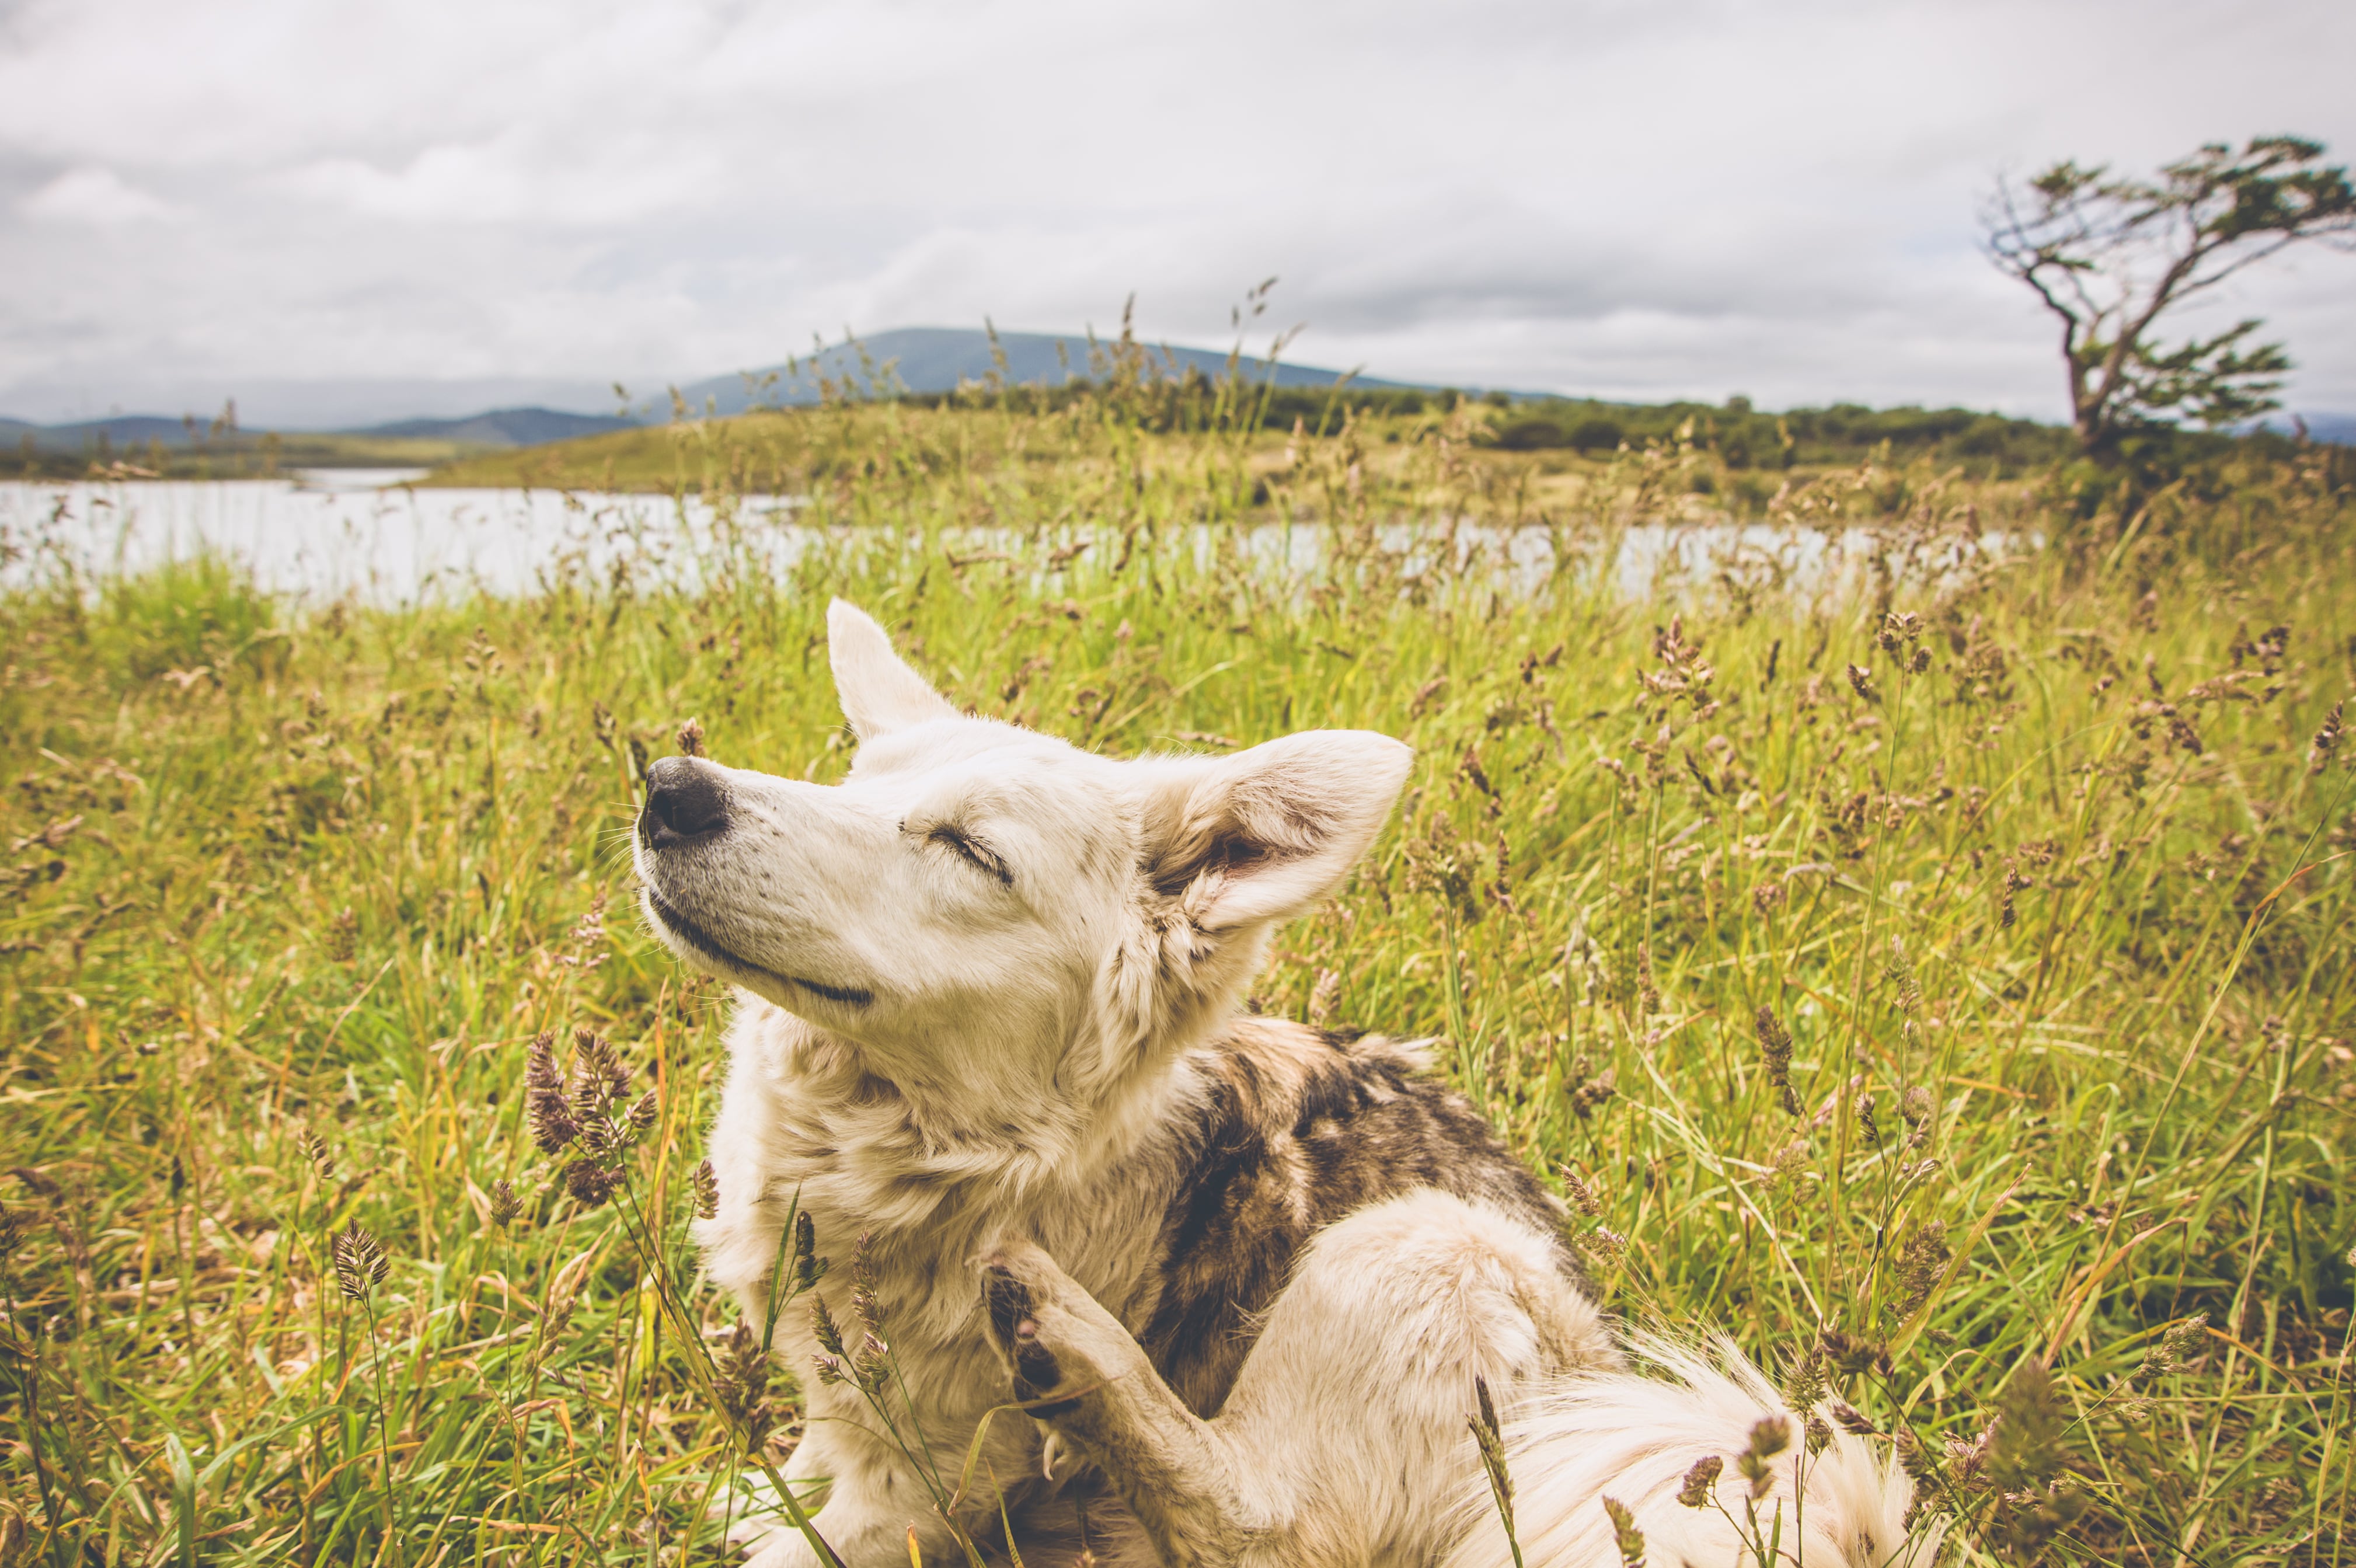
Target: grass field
pixel 1939 977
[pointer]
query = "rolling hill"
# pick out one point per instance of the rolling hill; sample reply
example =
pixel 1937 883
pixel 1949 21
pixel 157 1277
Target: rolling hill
pixel 503 427
pixel 942 359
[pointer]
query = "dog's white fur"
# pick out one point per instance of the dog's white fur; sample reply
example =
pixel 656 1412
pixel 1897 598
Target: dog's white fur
pixel 977 984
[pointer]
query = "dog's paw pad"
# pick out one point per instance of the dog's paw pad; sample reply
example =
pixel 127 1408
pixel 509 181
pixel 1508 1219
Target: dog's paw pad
pixel 1012 1307
pixel 1014 1322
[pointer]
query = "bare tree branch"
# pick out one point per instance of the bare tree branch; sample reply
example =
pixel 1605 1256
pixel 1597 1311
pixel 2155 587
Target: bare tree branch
pixel 2110 256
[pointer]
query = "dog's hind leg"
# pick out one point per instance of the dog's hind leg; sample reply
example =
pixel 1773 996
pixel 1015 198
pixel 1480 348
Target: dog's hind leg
pixel 1344 1440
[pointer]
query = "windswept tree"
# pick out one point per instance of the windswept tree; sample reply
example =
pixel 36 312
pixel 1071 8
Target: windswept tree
pixel 2112 256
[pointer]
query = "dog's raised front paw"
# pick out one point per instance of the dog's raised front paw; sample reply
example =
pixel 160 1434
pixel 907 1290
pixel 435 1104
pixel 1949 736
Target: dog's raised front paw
pixel 1056 1339
pixel 1024 1293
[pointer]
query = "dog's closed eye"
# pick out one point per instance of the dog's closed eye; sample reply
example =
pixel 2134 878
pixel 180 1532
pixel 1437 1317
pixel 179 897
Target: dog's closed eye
pixel 972 851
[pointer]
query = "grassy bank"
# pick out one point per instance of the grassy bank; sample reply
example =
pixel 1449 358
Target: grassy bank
pixel 237 455
pixel 1560 454
pixel 1948 973
pixel 782 451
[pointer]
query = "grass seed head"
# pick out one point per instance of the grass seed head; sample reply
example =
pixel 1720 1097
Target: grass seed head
pixel 743 1385
pixel 1917 1109
pixel 865 1304
pixel 554 1125
pixel 1695 1492
pixel 1770 1435
pixel 1921 1264
pixel 595 1133
pixel 598 1070
pixel 315 1149
pixel 2179 1343
pixel 592 1180
pixel 691 738
pixel 1624 1533
pixel 823 1328
pixel 807 1265
pixel 1853 1420
pixel 1855 1354
pixel 587 935
pixel 1967 1457
pixel 2326 744
pixel 1583 1197
pixel 705 1185
pixel 1791 1162
pixel 1901 971
pixel 1867 1122
pixel 359 1261
pixel 1775 1050
pixel 1588 1093
pixel 505 1204
pixel 1805 1385
pixel 873 1364
pixel 1490 1439
pixel 2027 1449
pixel 1914 1457
pixel 1323 995
pixel 1648 994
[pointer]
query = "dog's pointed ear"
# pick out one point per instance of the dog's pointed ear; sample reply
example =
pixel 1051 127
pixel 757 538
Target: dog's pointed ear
pixel 879 693
pixel 1264 834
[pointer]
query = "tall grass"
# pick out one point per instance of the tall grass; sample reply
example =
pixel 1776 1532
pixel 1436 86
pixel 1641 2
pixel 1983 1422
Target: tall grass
pixel 1937 977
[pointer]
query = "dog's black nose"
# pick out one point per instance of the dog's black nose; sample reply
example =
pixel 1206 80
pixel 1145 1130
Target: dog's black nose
pixel 685 801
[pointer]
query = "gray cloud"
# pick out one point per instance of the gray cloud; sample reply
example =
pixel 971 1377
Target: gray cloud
pixel 1632 199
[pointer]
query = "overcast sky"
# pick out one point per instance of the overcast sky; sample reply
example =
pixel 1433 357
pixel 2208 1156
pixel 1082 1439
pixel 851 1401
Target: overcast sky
pixel 505 200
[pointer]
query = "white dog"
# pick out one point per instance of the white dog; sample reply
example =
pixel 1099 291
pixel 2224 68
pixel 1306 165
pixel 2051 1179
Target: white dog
pixel 988 1010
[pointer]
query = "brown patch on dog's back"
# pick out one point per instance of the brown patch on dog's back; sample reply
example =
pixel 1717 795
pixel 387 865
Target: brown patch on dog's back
pixel 1301 1129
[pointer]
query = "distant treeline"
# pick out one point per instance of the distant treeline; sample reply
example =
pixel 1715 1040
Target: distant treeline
pixel 1739 436
pixel 1741 450
pixel 1744 438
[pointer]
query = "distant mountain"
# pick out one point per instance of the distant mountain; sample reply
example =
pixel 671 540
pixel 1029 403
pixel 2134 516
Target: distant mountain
pixel 123 430
pixel 127 433
pixel 942 359
pixel 910 359
pixel 2340 429
pixel 318 404
pixel 503 427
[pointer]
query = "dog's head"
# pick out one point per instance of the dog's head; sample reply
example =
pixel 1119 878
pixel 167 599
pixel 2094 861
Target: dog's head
pixel 976 899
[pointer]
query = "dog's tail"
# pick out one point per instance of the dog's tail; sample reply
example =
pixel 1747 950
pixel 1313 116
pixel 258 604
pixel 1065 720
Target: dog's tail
pixel 1635 1439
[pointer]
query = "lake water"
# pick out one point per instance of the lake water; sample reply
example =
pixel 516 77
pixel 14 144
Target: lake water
pixel 329 535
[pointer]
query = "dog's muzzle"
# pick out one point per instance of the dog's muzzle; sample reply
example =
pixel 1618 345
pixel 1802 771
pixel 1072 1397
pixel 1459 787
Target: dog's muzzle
pixel 686 803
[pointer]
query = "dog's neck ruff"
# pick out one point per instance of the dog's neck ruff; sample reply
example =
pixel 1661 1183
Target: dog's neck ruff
pixel 884 1149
